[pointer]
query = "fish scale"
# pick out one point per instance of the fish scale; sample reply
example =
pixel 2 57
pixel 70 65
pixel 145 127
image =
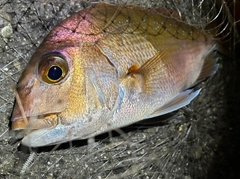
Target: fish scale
pixel 125 55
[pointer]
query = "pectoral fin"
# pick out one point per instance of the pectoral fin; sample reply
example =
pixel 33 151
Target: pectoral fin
pixel 181 100
pixel 151 72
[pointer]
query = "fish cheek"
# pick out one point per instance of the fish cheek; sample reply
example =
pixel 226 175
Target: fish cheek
pixel 50 98
pixel 41 98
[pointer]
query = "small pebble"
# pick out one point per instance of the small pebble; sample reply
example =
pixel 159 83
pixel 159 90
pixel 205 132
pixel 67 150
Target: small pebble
pixel 7 31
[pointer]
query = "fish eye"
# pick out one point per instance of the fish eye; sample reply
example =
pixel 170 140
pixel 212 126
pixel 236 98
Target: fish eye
pixel 53 69
pixel 54 73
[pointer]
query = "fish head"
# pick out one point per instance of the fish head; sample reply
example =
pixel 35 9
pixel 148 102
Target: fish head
pixel 50 91
pixel 45 76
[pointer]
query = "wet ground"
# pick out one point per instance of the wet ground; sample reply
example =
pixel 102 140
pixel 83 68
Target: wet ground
pixel 198 141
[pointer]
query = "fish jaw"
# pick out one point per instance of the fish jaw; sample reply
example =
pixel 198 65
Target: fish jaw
pixel 40 130
pixel 45 136
pixel 35 122
pixel 62 132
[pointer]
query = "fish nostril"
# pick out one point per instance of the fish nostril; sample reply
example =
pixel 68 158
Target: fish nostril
pixel 59 101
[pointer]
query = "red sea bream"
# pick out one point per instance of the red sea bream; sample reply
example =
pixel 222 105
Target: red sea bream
pixel 106 67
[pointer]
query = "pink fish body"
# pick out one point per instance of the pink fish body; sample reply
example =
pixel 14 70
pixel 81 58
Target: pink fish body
pixel 106 67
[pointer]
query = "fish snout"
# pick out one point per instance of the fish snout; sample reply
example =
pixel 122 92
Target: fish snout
pixel 20 121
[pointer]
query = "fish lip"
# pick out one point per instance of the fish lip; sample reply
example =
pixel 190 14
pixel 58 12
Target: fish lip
pixel 35 122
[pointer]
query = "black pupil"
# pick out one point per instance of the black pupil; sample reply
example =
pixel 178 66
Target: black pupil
pixel 55 73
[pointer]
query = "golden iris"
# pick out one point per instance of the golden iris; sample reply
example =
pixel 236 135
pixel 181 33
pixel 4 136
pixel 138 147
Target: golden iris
pixel 53 69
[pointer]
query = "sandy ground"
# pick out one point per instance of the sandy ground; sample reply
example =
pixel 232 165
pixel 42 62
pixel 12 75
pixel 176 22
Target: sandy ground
pixel 200 141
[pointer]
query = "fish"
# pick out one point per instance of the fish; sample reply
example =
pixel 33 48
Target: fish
pixel 106 67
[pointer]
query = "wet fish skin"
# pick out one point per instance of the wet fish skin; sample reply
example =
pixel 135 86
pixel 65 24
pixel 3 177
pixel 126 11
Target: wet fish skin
pixel 124 64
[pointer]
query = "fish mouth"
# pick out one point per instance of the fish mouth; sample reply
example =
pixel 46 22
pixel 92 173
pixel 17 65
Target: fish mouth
pixel 35 122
